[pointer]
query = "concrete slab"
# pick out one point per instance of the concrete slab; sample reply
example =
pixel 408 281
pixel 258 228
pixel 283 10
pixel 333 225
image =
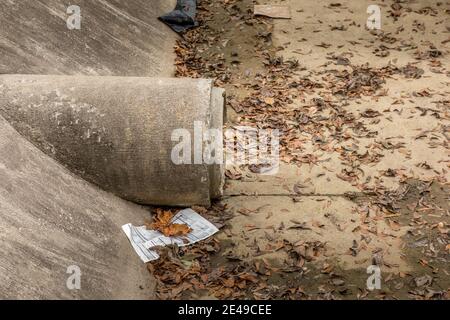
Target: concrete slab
pixel 262 203
pixel 261 224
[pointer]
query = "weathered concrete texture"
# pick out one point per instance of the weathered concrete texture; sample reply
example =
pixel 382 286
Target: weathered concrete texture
pixel 50 220
pixel 116 38
pixel 117 131
pixel 105 130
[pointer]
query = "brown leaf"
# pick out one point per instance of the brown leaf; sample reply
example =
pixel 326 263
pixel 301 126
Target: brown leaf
pixel 163 223
pixel 228 282
pixel 176 229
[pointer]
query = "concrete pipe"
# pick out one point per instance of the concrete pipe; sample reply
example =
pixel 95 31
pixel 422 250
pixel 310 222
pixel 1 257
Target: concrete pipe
pixel 116 132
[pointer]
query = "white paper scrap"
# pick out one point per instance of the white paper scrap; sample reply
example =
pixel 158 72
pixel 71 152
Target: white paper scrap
pixel 143 240
pixel 273 11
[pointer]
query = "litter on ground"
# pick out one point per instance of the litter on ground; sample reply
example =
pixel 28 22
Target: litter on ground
pixel 145 241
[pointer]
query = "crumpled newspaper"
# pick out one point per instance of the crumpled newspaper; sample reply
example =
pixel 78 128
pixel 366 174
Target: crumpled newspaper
pixel 144 240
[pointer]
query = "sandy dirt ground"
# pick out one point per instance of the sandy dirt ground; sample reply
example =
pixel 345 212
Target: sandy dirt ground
pixel 364 167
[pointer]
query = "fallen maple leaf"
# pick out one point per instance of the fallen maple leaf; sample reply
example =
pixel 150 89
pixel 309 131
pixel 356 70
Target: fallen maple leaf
pixel 163 223
pixel 176 229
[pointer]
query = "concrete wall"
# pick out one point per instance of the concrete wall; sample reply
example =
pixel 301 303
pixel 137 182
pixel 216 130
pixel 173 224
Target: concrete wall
pixel 117 37
pixel 51 219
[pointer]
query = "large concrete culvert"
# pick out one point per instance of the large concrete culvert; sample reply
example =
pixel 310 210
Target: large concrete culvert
pixel 53 211
pixel 116 132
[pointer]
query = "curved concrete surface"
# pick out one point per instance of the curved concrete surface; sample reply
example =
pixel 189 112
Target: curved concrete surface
pixel 50 220
pixel 117 131
pixel 116 38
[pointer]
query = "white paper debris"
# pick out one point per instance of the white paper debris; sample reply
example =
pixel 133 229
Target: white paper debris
pixel 273 11
pixel 143 240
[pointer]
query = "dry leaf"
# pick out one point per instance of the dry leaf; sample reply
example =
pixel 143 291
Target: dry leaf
pixel 163 224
